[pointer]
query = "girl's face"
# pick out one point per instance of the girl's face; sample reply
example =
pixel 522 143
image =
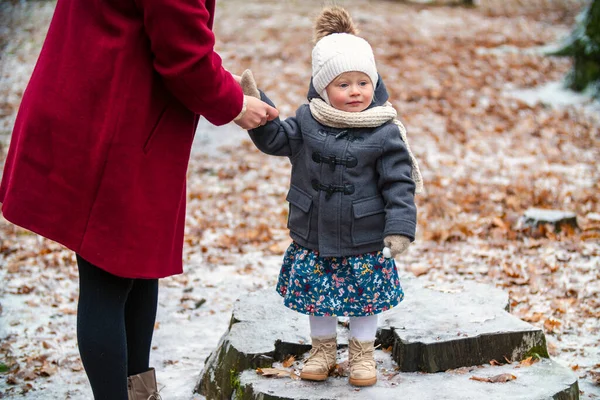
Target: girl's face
pixel 350 91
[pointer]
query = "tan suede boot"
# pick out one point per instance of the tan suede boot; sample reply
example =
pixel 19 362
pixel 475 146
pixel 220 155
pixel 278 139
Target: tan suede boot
pixel 362 363
pixel 321 360
pixel 143 386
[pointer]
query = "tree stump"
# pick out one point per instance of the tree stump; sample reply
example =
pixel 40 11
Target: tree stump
pixel 437 328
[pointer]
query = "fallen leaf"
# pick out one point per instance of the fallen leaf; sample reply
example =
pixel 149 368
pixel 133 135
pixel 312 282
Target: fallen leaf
pixel 48 370
pixel 497 221
pixel 288 362
pixel 273 372
pixel 495 379
pixel 552 325
pixel 529 361
pixel 26 388
pixel 340 369
pixel 26 375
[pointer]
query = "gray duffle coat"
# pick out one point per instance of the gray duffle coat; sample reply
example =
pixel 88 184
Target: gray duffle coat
pixel 349 188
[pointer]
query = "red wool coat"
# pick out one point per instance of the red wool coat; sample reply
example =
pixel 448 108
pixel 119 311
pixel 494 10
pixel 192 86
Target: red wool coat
pixel 100 148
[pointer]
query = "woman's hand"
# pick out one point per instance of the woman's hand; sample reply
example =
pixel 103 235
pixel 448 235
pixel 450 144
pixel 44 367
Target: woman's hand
pixel 257 113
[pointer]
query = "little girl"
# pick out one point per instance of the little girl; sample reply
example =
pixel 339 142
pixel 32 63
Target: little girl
pixel 352 193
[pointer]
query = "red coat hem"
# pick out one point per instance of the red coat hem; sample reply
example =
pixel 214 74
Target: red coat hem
pixel 91 258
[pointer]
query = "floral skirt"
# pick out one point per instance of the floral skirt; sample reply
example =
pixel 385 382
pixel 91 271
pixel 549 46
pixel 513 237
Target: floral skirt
pixel 352 286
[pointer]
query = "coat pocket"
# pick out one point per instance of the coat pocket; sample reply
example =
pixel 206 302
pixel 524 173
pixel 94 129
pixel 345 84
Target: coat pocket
pixel 368 220
pixel 300 212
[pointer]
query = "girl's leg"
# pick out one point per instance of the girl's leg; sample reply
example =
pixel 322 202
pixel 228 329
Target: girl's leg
pixel 322 358
pixel 140 315
pixel 363 329
pixel 101 330
pixel 363 371
pixel 323 326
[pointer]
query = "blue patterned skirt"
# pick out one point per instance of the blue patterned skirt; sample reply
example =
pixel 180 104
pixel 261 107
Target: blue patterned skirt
pixel 352 286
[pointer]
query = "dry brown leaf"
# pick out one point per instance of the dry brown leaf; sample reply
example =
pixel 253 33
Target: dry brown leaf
pixel 27 374
pixel 48 370
pixel 288 362
pixel 528 362
pixel 552 325
pixel 273 373
pixel 26 388
pixel 25 289
pixel 497 221
pixel 461 370
pixel 340 369
pixel 495 379
pixel 77 367
pixel 535 317
pixel 590 235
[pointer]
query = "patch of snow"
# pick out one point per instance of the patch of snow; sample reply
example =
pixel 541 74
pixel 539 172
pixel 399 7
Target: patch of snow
pixel 554 94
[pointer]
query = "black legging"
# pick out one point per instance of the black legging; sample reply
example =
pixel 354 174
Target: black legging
pixel 115 322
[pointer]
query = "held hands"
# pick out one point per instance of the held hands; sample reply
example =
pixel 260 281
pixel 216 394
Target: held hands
pixel 256 112
pixel 395 245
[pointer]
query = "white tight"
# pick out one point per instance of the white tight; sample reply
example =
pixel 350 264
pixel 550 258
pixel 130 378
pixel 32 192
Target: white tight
pixel 361 328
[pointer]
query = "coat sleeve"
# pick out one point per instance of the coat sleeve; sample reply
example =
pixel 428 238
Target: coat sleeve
pixel 397 187
pixel 182 43
pixel 277 137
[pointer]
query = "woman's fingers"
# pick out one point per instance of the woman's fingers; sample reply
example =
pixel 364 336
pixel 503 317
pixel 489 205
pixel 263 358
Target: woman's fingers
pixel 257 113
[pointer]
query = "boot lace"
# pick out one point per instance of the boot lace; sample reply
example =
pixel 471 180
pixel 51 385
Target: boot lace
pixel 363 358
pixel 320 355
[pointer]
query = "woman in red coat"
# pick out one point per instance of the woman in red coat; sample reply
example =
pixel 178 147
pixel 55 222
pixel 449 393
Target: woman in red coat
pixel 99 154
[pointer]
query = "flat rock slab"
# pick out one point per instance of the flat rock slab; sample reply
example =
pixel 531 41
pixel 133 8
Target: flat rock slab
pixel 437 327
pixel 542 380
pixel 440 326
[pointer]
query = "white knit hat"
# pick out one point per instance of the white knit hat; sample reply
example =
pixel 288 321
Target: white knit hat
pixel 337 53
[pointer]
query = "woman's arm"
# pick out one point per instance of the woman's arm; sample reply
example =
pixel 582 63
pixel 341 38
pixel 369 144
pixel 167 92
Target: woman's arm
pixel 182 43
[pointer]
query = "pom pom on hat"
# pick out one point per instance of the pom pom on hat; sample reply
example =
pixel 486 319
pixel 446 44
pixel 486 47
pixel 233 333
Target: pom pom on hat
pixel 338 50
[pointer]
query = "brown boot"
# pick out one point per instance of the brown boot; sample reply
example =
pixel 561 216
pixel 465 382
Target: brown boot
pixel 143 386
pixel 362 363
pixel 321 360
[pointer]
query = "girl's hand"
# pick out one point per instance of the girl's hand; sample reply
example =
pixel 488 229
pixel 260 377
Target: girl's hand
pixel 397 244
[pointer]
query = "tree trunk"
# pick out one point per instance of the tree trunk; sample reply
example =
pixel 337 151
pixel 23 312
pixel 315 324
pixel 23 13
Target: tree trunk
pixel 584 46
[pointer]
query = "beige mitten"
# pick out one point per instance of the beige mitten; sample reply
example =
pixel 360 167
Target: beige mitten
pixel 397 244
pixel 249 84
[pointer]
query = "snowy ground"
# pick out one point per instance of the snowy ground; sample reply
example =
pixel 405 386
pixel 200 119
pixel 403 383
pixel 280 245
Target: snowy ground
pixel 494 133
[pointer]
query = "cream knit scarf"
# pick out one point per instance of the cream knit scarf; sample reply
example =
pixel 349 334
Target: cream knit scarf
pixel 370 118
